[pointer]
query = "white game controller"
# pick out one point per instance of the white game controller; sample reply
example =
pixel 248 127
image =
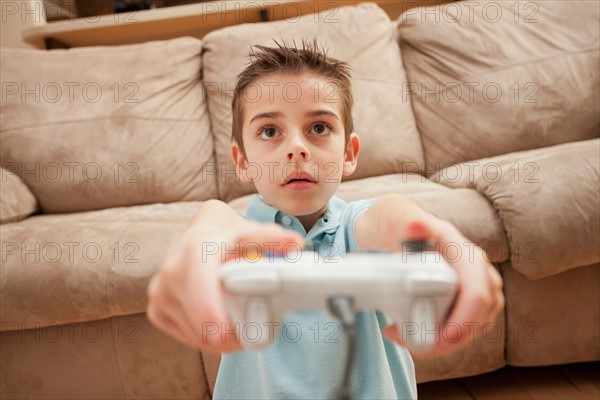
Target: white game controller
pixel 416 290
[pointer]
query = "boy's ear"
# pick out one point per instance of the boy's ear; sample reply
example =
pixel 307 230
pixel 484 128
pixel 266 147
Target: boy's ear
pixel 240 162
pixel 351 154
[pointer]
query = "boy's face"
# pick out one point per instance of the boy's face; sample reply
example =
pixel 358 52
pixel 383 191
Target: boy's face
pixel 294 139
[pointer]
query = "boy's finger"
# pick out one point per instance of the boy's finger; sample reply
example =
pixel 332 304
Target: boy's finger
pixel 201 297
pixel 206 312
pixel 165 324
pixel 167 309
pixel 464 326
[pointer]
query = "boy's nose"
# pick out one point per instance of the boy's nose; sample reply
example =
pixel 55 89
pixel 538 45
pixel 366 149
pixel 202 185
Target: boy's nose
pixel 296 154
pixel 298 149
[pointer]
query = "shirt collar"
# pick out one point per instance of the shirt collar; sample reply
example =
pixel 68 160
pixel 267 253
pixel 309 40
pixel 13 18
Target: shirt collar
pixel 259 211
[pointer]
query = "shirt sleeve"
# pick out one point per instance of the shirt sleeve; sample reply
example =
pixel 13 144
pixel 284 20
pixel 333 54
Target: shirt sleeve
pixel 351 213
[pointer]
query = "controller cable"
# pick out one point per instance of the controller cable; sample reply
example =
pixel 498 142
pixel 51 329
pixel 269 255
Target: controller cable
pixel 343 308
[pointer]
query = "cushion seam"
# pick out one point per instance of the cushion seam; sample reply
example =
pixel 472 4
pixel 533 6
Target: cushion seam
pixel 536 61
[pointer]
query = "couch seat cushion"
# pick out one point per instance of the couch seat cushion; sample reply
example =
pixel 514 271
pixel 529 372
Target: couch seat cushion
pixel 468 210
pixel 363 36
pixel 16 200
pixel 65 268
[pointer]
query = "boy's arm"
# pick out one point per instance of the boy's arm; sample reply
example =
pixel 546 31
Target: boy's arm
pixel 185 299
pixel 393 219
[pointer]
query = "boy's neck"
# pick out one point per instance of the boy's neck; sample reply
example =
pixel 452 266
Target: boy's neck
pixel 308 221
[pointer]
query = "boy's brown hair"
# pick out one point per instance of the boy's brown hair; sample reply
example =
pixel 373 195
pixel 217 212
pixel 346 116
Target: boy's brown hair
pixel 291 60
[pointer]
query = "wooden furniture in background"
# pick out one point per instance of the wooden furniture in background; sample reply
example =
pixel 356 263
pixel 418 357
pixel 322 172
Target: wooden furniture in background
pixel 188 20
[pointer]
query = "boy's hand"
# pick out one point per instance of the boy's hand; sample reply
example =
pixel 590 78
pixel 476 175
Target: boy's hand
pixel 393 219
pixel 479 297
pixel 185 298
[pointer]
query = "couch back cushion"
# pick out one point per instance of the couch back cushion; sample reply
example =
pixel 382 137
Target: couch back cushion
pixel 99 127
pixel 361 35
pixel 488 77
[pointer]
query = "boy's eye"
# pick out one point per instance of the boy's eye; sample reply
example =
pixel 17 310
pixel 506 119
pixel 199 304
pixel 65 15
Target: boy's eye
pixel 321 129
pixel 268 133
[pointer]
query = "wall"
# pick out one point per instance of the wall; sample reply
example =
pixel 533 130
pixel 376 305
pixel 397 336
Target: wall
pixel 16 16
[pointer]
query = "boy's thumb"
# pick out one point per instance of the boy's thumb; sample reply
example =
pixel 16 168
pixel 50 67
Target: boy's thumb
pixel 417 231
pixel 279 240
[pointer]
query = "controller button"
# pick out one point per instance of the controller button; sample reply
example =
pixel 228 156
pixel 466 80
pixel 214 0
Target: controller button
pixel 286 220
pixel 252 256
pixel 250 282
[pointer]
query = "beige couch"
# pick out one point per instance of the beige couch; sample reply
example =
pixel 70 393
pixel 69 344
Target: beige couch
pixel 488 120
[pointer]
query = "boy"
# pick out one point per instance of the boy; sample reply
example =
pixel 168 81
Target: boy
pixel 294 142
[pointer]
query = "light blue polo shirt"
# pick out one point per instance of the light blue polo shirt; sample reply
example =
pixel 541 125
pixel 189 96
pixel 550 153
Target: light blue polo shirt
pixel 307 357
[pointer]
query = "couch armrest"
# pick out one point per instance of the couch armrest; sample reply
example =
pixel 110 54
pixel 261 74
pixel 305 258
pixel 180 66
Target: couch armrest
pixel 16 200
pixel 548 200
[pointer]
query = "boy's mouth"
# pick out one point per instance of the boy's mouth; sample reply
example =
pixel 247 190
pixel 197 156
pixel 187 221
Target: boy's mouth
pixel 299 177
